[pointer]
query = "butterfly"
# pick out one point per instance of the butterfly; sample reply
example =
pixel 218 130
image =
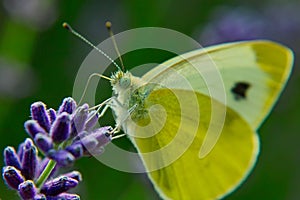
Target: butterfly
pixel 170 120
pixel 194 118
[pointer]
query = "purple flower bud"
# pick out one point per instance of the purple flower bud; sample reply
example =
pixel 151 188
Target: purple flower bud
pixel 91 121
pixel 68 105
pixel 52 115
pixel 29 161
pixel 12 177
pixel 32 127
pixel 75 149
pixel 62 157
pixel 60 130
pixel 27 190
pixel 65 196
pixel 79 119
pixel 80 135
pixel 21 151
pixel 11 158
pixel 40 197
pixel 39 113
pixel 44 142
pixel 102 136
pixel 58 185
pixel 84 141
pixel 93 143
pixel 74 174
pixel 28 143
pixel 88 144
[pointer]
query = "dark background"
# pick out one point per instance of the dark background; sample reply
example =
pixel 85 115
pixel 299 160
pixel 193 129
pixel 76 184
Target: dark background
pixel 39 61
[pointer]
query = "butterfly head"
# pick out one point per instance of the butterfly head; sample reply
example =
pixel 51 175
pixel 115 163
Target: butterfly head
pixel 121 80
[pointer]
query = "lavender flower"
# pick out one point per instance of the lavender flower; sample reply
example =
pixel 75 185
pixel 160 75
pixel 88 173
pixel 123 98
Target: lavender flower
pixel 62 136
pixel 24 179
pixel 68 105
pixel 40 197
pixel 58 185
pixel 27 190
pixel 52 115
pixel 61 127
pixel 39 113
pixel 64 196
pixel 11 158
pixel 79 119
pixel 44 142
pixel 74 175
pixel 72 125
pixel 91 121
pixel 275 22
pixel 76 150
pixel 12 177
pixel 29 160
pixel 32 127
pixel 62 157
pixel 91 142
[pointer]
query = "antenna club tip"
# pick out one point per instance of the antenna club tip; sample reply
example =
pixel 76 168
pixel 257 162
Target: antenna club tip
pixel 67 26
pixel 108 24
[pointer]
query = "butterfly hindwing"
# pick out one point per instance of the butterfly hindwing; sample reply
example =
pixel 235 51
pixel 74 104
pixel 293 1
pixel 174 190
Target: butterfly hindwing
pixel 175 147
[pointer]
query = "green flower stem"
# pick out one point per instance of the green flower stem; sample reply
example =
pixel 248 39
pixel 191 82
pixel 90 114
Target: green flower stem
pixel 45 174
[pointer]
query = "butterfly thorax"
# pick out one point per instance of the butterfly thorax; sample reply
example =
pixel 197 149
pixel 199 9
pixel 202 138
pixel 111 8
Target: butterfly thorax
pixel 131 93
pixel 138 101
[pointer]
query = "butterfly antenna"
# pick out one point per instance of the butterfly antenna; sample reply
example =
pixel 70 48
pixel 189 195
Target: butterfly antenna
pixel 108 26
pixel 69 28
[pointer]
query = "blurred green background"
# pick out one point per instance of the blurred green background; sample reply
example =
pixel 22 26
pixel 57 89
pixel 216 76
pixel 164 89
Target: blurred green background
pixel 39 60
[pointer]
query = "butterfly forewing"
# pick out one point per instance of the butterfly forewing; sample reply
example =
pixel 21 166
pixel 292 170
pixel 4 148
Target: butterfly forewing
pixel 215 71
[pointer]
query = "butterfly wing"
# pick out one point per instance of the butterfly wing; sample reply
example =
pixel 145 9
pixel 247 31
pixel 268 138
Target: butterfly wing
pixel 180 119
pixel 247 76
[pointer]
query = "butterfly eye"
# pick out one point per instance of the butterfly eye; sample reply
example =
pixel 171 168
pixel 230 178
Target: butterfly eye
pixel 125 82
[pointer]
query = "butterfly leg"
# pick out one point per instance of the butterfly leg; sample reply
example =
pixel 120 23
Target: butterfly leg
pixel 118 126
pixel 108 103
pixel 98 108
pixel 104 110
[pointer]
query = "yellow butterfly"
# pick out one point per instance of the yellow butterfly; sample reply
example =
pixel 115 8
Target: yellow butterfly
pixel 194 119
pixel 169 136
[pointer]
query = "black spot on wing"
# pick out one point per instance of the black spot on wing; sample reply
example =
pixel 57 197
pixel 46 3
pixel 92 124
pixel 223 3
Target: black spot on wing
pixel 239 90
